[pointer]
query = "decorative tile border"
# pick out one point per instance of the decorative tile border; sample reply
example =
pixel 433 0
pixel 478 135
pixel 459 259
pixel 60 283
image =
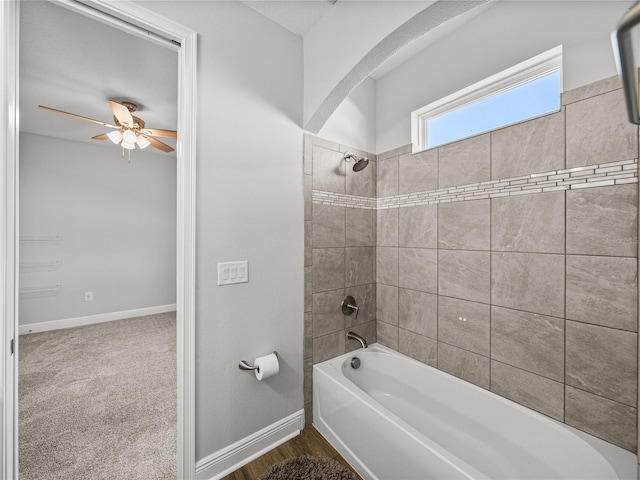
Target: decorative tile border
pixel 599 175
pixel 342 200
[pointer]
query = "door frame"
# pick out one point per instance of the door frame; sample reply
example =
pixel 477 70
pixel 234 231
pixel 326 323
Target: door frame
pixel 144 23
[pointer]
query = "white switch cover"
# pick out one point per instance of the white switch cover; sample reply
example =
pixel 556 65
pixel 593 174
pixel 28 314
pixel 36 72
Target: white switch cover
pixel 230 273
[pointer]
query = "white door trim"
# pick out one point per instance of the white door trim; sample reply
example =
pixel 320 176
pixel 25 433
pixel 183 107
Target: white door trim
pixel 130 17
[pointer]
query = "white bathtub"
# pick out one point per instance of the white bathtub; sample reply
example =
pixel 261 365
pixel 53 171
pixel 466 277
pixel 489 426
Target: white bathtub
pixel 395 418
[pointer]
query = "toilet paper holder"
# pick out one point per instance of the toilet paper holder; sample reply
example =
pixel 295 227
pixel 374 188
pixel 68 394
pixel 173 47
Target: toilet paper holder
pixel 243 365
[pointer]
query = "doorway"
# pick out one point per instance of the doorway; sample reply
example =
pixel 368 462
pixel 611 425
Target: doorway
pixel 131 19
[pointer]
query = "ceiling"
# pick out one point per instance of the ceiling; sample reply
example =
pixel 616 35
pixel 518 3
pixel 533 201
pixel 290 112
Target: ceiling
pixel 295 15
pixel 299 16
pixel 76 64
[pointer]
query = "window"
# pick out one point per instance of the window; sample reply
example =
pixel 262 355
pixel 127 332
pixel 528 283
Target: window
pixel 525 91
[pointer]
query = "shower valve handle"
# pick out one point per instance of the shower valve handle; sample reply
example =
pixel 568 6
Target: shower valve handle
pixel 349 306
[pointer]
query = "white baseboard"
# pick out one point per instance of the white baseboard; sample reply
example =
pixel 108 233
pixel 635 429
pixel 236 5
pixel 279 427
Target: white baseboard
pixel 103 317
pixel 229 459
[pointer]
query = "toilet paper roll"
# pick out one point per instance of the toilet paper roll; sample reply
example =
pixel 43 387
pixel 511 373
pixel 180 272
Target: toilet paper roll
pixel 268 366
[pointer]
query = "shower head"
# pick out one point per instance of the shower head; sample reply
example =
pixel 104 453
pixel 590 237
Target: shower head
pixel 360 162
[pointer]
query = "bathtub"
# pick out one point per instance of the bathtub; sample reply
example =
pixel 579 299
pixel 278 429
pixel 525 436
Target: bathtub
pixel 395 418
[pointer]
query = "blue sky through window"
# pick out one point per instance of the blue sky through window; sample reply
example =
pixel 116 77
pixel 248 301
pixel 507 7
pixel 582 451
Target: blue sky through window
pixel 528 100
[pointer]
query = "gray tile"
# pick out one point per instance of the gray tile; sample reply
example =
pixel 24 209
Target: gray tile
pixel 366 331
pixel 387 227
pixel 598 131
pixel 365 297
pixel 603 291
pixel 327 314
pixel 464 275
pixel 533 391
pixel 359 265
pixel 329 170
pixel 356 151
pixel 387 334
pixel 465 225
pixel 308 414
pixel 464 324
pixel 308 244
pixel 360 227
pixel 328 269
pixel 468 366
pixel 603 221
pixel 387 265
pixel 387 304
pixel 418 269
pixel 308 380
pixel 528 223
pixel 603 361
pixel 307 157
pixel 308 288
pixel 308 203
pixel 361 183
pixel 532 282
pixel 421 348
pixel 528 341
pixel 591 90
pixel 328 346
pixel 308 335
pixel 387 183
pixel 464 162
pixel 528 147
pixel 328 226
pixel 419 172
pixel 395 152
pixel 418 312
pixel 322 142
pixel 611 421
pixel 418 226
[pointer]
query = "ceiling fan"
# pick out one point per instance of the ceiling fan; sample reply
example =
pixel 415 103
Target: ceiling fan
pixel 130 130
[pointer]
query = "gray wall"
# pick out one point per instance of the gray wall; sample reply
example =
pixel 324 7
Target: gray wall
pixel 249 195
pixel 117 222
pixel 520 283
pixel 506 34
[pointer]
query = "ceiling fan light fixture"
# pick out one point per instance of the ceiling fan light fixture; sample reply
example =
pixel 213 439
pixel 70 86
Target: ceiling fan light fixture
pixel 128 145
pixel 115 136
pixel 129 136
pixel 142 142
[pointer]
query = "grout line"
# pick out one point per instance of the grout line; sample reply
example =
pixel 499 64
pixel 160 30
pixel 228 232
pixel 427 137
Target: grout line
pixel 564 379
pixel 490 287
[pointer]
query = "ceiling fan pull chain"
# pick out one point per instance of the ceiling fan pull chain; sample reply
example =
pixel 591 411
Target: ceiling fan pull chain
pixel 129 155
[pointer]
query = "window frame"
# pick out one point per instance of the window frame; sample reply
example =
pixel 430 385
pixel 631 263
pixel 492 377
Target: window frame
pixel 524 72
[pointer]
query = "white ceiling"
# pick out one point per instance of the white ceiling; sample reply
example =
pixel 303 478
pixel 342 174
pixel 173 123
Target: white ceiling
pixel 295 15
pixel 72 63
pixel 299 16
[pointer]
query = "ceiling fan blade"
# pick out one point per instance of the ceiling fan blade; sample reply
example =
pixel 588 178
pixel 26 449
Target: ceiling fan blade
pixel 103 136
pixel 122 113
pixel 158 144
pixel 159 132
pixel 78 116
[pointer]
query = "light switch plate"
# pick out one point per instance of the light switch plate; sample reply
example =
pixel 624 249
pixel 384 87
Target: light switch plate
pixel 230 273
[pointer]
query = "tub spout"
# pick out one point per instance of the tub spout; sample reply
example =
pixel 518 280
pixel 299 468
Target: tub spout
pixel 358 338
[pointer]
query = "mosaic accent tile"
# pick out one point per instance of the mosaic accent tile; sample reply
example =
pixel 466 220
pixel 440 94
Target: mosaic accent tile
pixel 590 176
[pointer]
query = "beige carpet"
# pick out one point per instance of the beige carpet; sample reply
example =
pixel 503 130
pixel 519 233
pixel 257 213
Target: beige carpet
pixel 99 401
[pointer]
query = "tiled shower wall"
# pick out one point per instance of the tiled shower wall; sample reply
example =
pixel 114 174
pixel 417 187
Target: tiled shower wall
pixel 508 259
pixel 339 254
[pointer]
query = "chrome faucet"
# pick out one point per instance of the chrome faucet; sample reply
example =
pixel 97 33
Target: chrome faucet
pixel 358 338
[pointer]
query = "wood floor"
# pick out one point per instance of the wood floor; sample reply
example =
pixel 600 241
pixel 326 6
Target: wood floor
pixel 309 442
